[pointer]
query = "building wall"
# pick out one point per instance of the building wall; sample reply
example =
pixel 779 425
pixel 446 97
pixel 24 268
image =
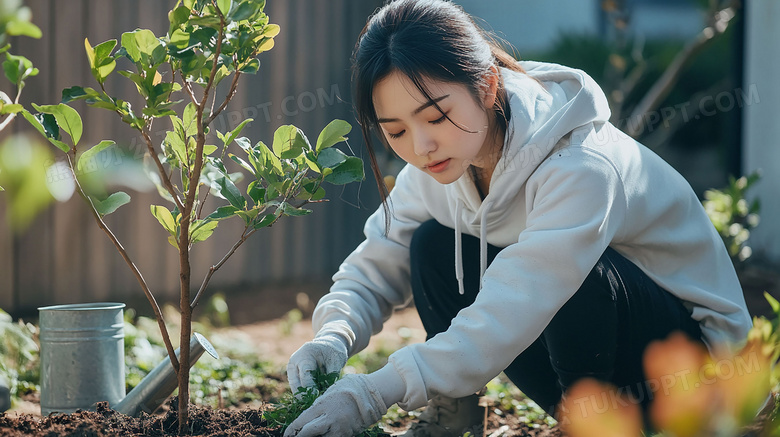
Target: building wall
pixel 761 139
pixel 532 27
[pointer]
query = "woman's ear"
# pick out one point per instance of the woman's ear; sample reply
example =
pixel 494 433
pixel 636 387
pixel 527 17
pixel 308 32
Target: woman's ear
pixel 490 89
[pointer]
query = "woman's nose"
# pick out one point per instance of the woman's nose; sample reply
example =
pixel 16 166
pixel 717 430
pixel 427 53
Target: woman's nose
pixel 423 143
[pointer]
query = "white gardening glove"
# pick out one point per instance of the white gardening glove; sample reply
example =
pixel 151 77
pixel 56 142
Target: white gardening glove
pixel 348 407
pixel 328 353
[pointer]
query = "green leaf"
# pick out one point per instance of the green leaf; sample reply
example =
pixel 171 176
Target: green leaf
pixel 293 211
pixel 224 6
pixel 202 230
pixel 91 153
pixel 112 203
pixel 10 109
pixel 104 49
pixel 18 68
pixel 242 163
pixel 244 144
pixel 143 46
pixel 101 62
pixel 256 192
pixel 248 216
pixel 23 28
pixel 209 21
pixel 330 158
pixel 319 194
pixel 193 64
pixel 47 126
pixel 772 302
pixel 175 143
pixel 350 170
pixel 172 241
pixel 188 120
pixel 131 46
pixel 268 160
pixel 250 67
pixel 165 218
pixel 236 132
pixel 178 16
pixel 245 10
pixel 268 219
pixel 223 212
pixel 90 53
pixel 208 149
pixel 289 142
pixel 78 93
pixel 228 189
pixel 180 39
pixel 334 133
pixel 68 119
pixel 271 30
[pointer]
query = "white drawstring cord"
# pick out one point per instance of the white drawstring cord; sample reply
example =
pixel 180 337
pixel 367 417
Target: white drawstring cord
pixel 483 241
pixel 458 247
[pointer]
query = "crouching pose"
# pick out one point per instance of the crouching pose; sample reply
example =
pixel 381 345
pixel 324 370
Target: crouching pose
pixel 535 238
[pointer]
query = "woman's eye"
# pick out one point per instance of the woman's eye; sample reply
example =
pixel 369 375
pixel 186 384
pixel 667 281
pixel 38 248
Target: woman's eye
pixel 439 120
pixel 394 136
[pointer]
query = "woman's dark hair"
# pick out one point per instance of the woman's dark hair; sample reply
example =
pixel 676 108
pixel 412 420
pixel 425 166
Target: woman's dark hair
pixel 423 39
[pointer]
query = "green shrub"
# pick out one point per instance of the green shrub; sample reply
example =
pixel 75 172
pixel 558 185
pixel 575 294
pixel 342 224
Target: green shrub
pixel 19 356
pixel 733 216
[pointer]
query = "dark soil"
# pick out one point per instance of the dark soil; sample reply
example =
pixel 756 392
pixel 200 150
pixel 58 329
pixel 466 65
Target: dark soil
pixel 105 422
pixel 205 422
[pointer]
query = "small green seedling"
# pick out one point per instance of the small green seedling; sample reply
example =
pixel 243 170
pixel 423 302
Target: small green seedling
pixel 291 406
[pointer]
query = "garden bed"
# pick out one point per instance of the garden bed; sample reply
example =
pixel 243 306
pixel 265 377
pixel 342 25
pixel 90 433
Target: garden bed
pixel 236 407
pixel 209 422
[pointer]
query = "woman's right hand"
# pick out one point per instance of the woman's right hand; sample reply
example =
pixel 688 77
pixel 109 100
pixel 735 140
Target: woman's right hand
pixel 328 353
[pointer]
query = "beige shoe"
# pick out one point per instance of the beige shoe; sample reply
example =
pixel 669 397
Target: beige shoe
pixel 447 417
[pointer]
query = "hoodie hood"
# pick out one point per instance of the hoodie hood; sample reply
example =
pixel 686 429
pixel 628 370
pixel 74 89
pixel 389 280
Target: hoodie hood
pixel 547 102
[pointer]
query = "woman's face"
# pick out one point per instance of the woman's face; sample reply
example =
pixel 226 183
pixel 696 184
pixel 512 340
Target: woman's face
pixel 423 137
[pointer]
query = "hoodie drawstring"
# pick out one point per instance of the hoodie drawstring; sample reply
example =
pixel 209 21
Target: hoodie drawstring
pixel 459 245
pixel 483 241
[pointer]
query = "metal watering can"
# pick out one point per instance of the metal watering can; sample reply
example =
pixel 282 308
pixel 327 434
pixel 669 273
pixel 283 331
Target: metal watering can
pixel 83 361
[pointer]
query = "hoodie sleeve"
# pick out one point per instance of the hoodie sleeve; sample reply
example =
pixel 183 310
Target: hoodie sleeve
pixel 374 278
pixel 577 205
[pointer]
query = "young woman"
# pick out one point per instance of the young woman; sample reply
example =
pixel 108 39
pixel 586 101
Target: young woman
pixel 535 238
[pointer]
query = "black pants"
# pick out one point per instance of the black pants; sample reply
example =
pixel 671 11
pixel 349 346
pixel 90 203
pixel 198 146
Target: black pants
pixel 601 332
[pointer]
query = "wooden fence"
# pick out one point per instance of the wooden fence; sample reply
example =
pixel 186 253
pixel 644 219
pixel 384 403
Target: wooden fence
pixel 304 80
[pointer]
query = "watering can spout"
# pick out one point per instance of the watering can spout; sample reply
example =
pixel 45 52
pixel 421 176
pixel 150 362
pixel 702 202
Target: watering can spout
pixel 155 388
pixel 82 361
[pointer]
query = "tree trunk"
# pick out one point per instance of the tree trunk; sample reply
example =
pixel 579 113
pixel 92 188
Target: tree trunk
pixel 186 325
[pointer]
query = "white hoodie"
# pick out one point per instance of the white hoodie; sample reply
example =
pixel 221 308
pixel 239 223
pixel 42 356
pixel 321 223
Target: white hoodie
pixel 569 185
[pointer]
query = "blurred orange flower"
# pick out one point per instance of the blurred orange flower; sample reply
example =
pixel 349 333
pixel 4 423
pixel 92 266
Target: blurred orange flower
pixel 684 398
pixel 594 409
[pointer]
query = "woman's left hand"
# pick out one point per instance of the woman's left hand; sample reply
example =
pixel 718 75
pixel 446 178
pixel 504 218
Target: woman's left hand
pixel 348 407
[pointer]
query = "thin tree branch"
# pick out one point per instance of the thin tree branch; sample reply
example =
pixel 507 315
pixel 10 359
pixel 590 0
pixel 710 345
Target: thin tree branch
pixel 160 169
pixel 663 86
pixel 11 117
pixel 228 98
pixel 658 139
pixel 188 88
pixel 215 267
pixel 102 225
pixel 202 204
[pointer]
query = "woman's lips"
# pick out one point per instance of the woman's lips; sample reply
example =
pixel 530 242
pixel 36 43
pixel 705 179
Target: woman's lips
pixel 439 167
